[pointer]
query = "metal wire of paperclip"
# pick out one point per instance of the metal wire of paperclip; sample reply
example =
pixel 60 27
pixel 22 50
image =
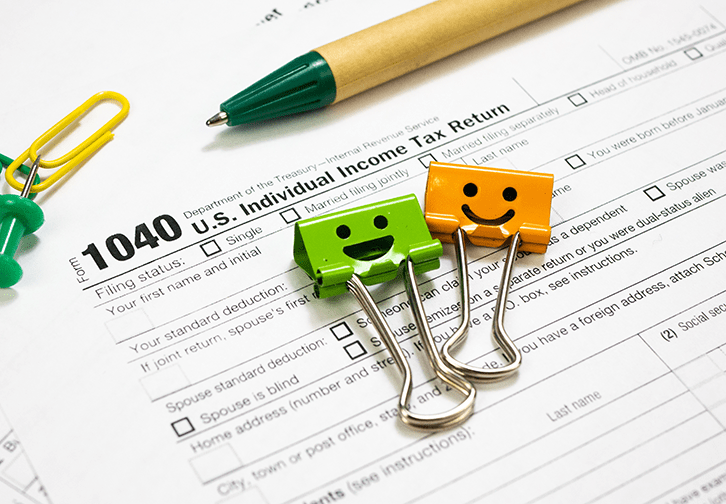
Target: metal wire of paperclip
pixel 72 158
pixel 512 353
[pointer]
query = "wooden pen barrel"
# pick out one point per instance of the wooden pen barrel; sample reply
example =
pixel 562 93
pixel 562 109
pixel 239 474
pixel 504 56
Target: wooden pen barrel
pixel 410 41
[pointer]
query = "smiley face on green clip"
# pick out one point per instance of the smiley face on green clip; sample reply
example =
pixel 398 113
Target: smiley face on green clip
pixel 370 241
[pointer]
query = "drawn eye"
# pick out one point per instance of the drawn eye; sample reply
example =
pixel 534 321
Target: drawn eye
pixel 343 232
pixel 470 190
pixel 380 222
pixel 509 194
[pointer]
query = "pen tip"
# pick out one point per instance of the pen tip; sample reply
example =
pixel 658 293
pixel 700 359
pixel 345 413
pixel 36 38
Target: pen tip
pixel 217 119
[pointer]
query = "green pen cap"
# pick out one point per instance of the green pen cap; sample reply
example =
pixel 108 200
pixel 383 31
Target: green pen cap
pixel 305 83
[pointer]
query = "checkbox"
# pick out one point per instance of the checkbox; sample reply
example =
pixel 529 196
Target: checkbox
pixel 210 248
pixel 341 331
pixel 290 215
pixel 216 463
pixel 162 383
pixel 182 427
pixel 355 350
pixel 425 160
pixel 654 193
pixel 577 99
pixel 575 161
pixel 693 53
pixel 128 325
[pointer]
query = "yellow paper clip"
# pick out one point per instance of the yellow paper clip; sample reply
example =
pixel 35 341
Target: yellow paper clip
pixel 71 159
pixel 491 207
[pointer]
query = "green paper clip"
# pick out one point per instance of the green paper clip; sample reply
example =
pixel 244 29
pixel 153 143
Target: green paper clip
pixel 347 250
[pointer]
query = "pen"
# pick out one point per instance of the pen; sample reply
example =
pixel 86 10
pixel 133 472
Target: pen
pixel 370 57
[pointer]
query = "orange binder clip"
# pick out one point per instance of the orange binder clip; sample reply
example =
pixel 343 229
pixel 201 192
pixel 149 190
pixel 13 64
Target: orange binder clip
pixel 491 206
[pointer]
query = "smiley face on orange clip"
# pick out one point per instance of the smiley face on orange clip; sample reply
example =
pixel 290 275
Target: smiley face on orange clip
pixel 489 204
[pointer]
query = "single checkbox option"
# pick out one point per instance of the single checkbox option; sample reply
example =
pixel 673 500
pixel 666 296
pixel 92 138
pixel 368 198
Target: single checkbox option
pixel 654 193
pixel 182 427
pixel 425 160
pixel 577 99
pixel 693 53
pixel 210 248
pixel 355 350
pixel 290 215
pixel 341 331
pixel 575 161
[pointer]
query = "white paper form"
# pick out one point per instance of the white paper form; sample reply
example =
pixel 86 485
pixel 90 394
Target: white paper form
pixel 18 481
pixel 183 358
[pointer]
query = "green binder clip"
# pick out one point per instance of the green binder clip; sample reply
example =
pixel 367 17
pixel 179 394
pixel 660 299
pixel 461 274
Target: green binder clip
pixel 347 250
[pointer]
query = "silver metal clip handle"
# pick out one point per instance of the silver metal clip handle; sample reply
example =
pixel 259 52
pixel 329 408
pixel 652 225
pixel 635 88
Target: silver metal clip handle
pixel 436 421
pixel 500 334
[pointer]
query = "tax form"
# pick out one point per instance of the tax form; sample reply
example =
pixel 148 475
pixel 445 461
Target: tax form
pixel 163 346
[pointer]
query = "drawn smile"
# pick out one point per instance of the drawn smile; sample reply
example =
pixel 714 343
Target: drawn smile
pixel 487 222
pixel 369 250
